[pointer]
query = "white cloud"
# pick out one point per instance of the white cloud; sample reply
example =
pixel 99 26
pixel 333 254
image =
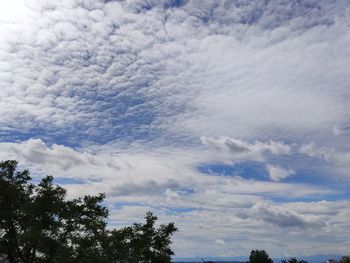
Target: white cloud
pixel 121 174
pixel 220 242
pixel 278 173
pixel 214 68
pixel 205 208
pixel 328 154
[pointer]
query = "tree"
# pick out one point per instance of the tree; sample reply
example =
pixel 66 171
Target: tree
pixel 293 260
pixel 345 259
pixel 14 202
pixel 259 256
pixel 143 242
pixel 39 225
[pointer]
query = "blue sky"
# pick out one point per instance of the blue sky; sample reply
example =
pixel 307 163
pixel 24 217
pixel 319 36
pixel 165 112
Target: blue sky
pixel 229 117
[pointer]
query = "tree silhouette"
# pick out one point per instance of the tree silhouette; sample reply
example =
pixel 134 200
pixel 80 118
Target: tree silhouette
pixel 345 259
pixel 259 256
pixel 143 242
pixel 293 260
pixel 38 224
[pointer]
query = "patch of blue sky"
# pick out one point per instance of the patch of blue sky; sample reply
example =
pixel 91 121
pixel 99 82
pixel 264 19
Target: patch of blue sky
pixel 109 121
pixel 120 205
pixel 308 176
pixel 148 5
pixel 174 3
pixel 335 196
pixel 179 210
pixel 14 134
pixel 49 136
pixel 59 180
pixel 168 209
pixel 307 172
pixel 186 191
pixel 247 170
pixel 68 180
pixel 120 116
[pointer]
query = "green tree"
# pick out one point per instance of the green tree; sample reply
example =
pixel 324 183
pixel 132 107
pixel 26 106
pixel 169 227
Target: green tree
pixel 345 259
pixel 293 260
pixel 39 225
pixel 14 203
pixel 259 256
pixel 143 242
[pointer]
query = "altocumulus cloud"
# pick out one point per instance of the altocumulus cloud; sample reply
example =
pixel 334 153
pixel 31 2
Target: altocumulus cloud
pixel 132 97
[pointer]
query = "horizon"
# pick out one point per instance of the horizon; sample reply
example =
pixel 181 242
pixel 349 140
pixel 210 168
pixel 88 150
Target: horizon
pixel 229 118
pixel 309 258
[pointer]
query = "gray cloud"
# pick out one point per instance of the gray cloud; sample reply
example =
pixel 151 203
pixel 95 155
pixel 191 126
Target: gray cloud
pixel 238 150
pixel 281 217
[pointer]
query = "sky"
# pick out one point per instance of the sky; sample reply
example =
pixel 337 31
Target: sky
pixel 229 118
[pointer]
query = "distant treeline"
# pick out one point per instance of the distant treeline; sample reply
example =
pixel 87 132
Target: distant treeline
pixel 260 256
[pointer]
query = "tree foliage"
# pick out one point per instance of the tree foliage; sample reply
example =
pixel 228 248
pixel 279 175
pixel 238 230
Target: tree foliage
pixel 38 225
pixel 293 260
pixel 259 256
pixel 345 259
pixel 143 242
